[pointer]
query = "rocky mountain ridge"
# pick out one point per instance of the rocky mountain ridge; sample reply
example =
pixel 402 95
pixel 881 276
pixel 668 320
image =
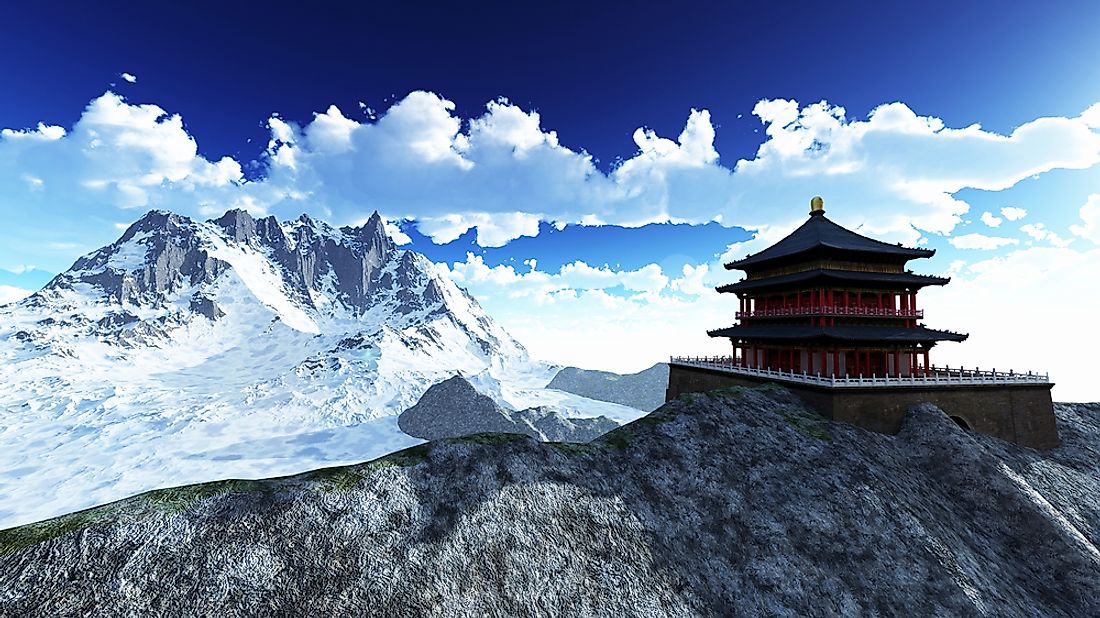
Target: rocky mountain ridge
pixel 737 502
pixel 193 350
pixel 644 390
pixel 453 408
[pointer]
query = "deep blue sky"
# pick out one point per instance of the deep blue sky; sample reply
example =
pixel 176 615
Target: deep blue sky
pixel 594 71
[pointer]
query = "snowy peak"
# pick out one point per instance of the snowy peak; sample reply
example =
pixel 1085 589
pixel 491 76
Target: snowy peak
pixel 168 274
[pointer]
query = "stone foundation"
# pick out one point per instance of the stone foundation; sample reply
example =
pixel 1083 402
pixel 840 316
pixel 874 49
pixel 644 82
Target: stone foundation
pixel 1018 413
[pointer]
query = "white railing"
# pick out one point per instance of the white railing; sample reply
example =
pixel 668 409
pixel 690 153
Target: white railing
pixel 930 376
pixel 888 312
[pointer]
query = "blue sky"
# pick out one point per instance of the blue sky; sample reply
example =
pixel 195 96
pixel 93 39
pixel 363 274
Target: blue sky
pixel 583 170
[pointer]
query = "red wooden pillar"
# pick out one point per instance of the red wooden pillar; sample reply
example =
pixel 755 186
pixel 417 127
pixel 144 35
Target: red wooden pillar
pixel 926 365
pixel 897 362
pixel 836 362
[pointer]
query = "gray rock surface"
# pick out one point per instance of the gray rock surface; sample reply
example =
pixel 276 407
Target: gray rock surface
pixel 644 390
pixel 454 408
pixel 739 502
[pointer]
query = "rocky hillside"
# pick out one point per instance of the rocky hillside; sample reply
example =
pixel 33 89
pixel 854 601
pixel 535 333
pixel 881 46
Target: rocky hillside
pixel 644 390
pixel 738 502
pixel 453 408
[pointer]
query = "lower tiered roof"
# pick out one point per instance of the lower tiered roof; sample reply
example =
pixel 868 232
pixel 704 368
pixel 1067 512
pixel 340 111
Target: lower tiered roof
pixel 908 280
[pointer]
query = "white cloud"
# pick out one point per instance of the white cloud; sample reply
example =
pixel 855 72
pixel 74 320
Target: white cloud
pixel 1038 231
pixel 130 77
pixel 44 132
pixel 981 241
pixel 691 283
pixel 395 233
pixel 990 220
pixel 10 294
pixel 1090 217
pixel 1010 307
pixel 893 175
pixel 493 229
pixel 1091 116
pixel 540 286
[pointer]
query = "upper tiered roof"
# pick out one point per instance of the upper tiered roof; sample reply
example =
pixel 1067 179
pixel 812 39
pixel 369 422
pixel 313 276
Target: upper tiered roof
pixel 820 233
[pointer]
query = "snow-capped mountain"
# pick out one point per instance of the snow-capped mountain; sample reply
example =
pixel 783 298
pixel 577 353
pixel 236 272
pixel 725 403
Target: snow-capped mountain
pixel 236 347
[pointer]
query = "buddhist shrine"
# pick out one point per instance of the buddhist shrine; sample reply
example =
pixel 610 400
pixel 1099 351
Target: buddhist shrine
pixel 834 316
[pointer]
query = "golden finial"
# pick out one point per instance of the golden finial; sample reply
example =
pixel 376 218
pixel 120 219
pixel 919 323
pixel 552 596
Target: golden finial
pixel 817 205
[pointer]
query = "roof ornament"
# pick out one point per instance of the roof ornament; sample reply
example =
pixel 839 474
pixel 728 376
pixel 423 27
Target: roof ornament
pixel 817 206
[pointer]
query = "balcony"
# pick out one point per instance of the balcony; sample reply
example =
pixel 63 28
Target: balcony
pixel 833 310
pixel 927 376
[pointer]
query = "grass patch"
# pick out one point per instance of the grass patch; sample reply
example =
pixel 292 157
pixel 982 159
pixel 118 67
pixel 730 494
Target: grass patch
pixel 617 439
pixel 804 422
pixel 170 500
pixel 575 448
pixel 663 414
pixel 345 478
pixel 689 398
pixel 15 539
pixel 488 438
pixel 178 499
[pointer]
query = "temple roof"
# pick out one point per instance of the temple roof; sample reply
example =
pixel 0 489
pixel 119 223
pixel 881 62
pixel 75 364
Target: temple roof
pixel 820 232
pixel 901 279
pixel 883 334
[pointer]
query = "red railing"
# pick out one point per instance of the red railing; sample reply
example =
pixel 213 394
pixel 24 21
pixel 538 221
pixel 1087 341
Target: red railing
pixel 884 312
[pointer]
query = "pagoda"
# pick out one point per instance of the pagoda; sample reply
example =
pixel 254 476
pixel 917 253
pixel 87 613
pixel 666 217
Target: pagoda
pixel 828 301
pixel 833 316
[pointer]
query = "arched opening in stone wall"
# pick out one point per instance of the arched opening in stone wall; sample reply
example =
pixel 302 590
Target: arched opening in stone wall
pixel 961 423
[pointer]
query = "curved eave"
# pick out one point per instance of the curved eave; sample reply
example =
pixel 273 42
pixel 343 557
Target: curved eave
pixel 906 253
pixel 866 334
pixel 901 279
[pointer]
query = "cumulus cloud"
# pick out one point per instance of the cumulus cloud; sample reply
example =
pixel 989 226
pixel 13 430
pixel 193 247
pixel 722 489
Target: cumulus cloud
pixel 981 241
pixel 894 175
pixel 997 300
pixel 1090 218
pixel 1039 231
pixel 541 286
pixel 130 77
pixel 598 317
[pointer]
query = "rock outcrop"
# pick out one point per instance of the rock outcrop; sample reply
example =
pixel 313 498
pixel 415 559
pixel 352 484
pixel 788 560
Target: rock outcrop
pixel 644 390
pixel 732 503
pixel 453 408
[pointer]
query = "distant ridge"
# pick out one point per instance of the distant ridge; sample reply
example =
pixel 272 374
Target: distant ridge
pixel 644 390
pixel 453 408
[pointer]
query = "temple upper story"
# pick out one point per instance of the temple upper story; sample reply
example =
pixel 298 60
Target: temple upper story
pixel 826 300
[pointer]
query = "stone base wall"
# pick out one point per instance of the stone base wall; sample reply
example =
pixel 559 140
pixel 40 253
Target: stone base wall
pixel 1023 414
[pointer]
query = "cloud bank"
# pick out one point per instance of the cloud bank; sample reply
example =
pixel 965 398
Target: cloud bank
pixel 894 175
